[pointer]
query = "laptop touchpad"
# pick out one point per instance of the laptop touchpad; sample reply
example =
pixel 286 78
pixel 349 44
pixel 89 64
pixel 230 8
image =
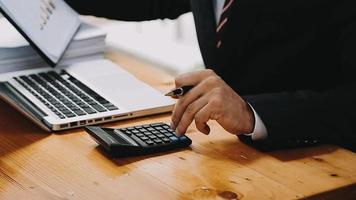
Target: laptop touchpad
pixel 119 86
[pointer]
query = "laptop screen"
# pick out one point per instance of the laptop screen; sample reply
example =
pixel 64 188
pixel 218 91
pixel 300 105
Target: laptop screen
pixel 48 25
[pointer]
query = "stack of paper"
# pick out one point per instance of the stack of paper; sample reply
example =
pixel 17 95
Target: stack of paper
pixel 16 53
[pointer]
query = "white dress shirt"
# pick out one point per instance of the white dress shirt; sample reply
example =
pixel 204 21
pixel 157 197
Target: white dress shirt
pixel 260 131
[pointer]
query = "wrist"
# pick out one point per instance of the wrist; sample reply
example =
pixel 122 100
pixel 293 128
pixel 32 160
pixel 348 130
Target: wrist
pixel 250 119
pixel 259 129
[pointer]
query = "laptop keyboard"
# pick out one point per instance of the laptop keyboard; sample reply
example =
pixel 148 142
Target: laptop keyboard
pixel 64 95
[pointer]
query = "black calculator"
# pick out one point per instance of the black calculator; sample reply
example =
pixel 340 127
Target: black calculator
pixel 137 140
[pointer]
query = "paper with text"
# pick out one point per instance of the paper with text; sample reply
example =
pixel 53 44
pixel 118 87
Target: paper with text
pixel 50 24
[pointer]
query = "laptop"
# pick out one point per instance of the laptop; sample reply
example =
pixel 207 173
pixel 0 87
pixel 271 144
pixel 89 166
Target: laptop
pixel 57 96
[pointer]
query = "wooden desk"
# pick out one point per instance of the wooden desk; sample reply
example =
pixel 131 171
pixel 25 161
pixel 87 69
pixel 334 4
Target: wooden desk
pixel 68 165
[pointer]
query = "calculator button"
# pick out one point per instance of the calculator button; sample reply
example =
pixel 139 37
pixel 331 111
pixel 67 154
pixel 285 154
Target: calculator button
pixel 156 124
pixel 150 142
pixel 161 136
pixel 159 128
pixel 152 136
pixel 163 131
pixel 183 138
pixel 168 134
pixel 150 129
pixel 135 131
pixel 170 130
pixel 155 132
pixel 144 138
pixel 146 133
pixel 173 139
pixel 138 127
pixel 165 140
pixel 166 127
pixel 126 132
pixel 172 133
pixel 157 140
pixel 139 134
pixel 142 129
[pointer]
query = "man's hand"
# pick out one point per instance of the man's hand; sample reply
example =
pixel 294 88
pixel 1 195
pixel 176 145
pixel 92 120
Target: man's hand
pixel 211 98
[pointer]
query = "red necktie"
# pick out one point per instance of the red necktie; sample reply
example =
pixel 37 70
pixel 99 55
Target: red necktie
pixel 223 20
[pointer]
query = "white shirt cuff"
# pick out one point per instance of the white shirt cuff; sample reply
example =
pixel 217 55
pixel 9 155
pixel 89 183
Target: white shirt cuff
pixel 260 130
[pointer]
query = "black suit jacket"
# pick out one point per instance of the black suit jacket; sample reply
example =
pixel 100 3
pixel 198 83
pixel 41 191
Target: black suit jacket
pixel 294 61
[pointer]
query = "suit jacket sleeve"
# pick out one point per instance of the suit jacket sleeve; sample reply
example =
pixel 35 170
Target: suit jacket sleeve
pixel 130 10
pixel 307 117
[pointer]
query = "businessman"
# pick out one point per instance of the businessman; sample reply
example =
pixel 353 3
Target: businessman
pixel 280 73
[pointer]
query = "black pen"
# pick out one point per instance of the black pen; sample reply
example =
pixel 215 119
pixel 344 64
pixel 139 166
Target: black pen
pixel 179 91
